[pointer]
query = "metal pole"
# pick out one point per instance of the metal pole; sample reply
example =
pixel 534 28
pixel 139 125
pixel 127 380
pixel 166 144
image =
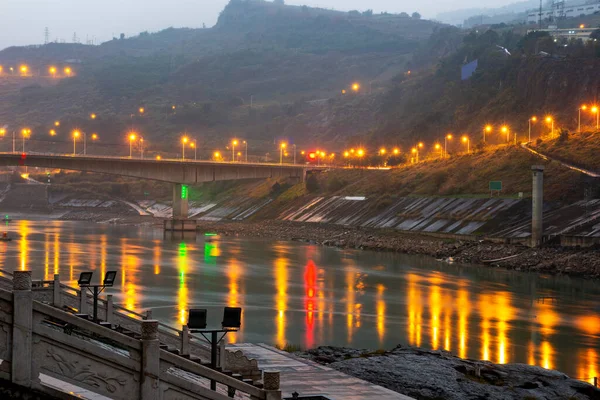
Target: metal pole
pixel 529 130
pixel 84 143
pixel 294 154
pixel 281 155
pixel 95 303
pixel 14 139
pixel 23 143
pixel 141 148
pixel 597 119
pixel 246 151
pixel 233 153
pixel 483 135
pixel 469 146
pixel 195 150
pixel 445 146
pixel 579 121
pixel 182 151
pixel 213 357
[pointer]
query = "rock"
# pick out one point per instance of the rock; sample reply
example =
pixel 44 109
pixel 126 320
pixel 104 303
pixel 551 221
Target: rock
pixel 429 375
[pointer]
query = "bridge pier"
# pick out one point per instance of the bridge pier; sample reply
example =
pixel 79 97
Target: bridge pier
pixel 180 201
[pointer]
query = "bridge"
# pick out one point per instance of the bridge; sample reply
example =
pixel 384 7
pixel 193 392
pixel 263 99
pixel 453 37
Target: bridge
pixel 178 172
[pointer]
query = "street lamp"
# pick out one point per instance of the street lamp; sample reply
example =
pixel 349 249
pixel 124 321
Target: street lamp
pixel 550 120
pixel 131 140
pixel 467 140
pixel 56 123
pixel 76 135
pixel 583 107
pixel 396 151
pixel 355 87
pixel 142 110
pixel 505 129
pixel 446 138
pixel 246 144
pixel 233 144
pixel 439 147
pixel 52 132
pixel 595 111
pixel 25 132
pixel 193 146
pixel 68 71
pixel 216 155
pixel 184 141
pixel 52 71
pixel 141 148
pixel 487 129
pixel 532 119
pixel 93 116
pixel 94 138
pixel 416 151
pixel 282 147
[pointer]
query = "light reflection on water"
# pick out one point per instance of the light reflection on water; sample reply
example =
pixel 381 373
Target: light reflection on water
pixel 306 295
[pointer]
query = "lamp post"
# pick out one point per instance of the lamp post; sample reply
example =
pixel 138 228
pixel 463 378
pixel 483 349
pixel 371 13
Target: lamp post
pixel 583 107
pixel 532 119
pixel 487 129
pixel 141 148
pixel 446 138
pixel 131 140
pixel 439 147
pixel 184 141
pixel 94 137
pixel 76 135
pixel 195 147
pixel 294 154
pixel 25 133
pixel 281 149
pixel 246 145
pixel 233 144
pixel 550 120
pixel 595 111
pixel 467 140
pixel 416 152
pixel 507 131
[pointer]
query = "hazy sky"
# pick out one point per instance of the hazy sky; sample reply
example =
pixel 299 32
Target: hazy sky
pixel 23 21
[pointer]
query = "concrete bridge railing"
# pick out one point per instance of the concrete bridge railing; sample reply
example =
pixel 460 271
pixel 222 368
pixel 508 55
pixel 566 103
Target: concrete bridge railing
pixel 92 357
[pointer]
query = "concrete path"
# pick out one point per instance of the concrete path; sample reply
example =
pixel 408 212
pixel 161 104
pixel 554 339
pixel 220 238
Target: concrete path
pixel 309 378
pixel 567 165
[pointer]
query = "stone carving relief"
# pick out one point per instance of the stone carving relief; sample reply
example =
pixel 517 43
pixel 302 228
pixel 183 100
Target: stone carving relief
pixel 80 371
pixel 237 361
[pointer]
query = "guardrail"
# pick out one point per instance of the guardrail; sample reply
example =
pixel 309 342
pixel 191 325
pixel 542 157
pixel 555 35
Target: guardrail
pixel 39 339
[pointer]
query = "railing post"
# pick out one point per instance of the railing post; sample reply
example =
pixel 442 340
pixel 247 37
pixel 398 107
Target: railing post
pixel 148 316
pixel 57 292
pixel 271 382
pixel 185 341
pixel 150 371
pixel 110 309
pixel 83 305
pixel 22 329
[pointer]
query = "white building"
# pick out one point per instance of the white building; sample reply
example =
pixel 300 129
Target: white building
pixel 570 11
pixel 567 34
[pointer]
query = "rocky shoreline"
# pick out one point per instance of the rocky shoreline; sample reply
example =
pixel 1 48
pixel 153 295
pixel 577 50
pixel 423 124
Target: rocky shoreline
pixel 550 260
pixel 435 375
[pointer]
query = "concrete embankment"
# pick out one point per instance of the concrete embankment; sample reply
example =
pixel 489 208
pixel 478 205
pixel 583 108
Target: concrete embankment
pixel 433 375
pixel 553 260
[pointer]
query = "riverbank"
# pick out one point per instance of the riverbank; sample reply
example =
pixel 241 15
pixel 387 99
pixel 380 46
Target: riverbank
pixel 433 375
pixel 551 260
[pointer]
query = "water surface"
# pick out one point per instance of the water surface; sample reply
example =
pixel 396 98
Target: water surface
pixel 306 295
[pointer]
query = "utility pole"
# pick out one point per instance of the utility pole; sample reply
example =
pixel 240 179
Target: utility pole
pixel 46 35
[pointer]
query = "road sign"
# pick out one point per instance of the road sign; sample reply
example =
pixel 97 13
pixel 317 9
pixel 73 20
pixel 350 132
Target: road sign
pixel 496 185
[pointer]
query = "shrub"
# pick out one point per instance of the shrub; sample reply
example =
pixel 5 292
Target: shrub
pixel 312 183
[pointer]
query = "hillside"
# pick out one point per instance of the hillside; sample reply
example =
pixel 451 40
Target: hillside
pixel 279 55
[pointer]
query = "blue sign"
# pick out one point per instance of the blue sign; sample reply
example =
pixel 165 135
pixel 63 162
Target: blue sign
pixel 468 70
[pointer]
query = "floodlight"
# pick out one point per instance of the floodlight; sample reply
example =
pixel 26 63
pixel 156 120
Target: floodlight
pixel 109 278
pixel 85 278
pixel 197 319
pixel 232 318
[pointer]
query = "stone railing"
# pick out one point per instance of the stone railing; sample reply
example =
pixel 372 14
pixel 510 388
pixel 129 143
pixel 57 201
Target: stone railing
pixel 60 295
pixel 35 342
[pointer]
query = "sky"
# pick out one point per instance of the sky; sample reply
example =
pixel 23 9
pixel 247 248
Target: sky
pixel 23 21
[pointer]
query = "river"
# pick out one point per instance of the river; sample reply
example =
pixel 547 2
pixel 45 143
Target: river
pixel 306 295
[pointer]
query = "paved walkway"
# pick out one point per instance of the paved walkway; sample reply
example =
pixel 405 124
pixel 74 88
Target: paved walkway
pixel 309 378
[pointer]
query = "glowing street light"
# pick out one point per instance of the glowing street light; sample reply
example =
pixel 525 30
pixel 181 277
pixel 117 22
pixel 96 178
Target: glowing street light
pixel 76 135
pixel 439 147
pixel 446 138
pixel 486 129
pixel 505 129
pixel 234 143
pixel 56 123
pixel 550 120
pixel 158 158
pixel 93 116
pixel 360 153
pixel 382 152
pixel 94 136
pixel 2 131
pixel 246 145
pixel 396 151
pixel 595 111
pixel 68 71
pixel 142 110
pixel 193 146
pixel 25 133
pixel 52 132
pixel 416 152
pixel 355 87
pixel 346 154
pixel 282 148
pixel 132 138
pixel 532 119
pixel 24 69
pixel 184 141
pixel 52 71
pixel 216 155
pixel 467 140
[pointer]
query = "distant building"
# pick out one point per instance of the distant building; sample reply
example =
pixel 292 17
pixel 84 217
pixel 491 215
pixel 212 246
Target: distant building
pixel 567 34
pixel 564 11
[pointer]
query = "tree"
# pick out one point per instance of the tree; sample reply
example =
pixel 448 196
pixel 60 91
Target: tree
pixel 416 15
pixel 404 15
pixel 368 13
